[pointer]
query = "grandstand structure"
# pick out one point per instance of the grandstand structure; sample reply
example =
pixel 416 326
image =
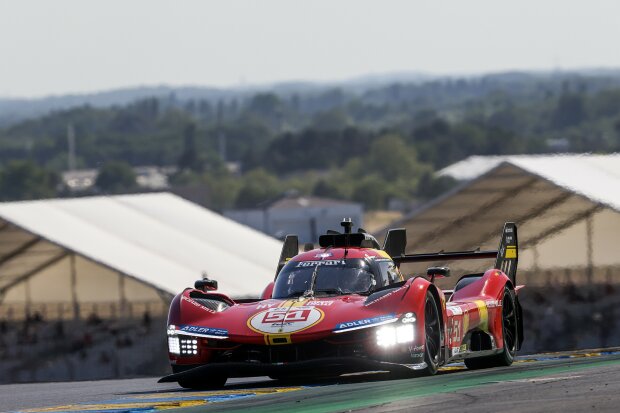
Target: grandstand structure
pixel 116 257
pixel 567 208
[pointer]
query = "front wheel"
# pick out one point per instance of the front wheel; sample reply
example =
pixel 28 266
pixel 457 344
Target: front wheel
pixel 432 335
pixel 509 336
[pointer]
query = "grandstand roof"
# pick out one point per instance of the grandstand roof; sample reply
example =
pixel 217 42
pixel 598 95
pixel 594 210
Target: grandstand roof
pixel 543 194
pixel 159 239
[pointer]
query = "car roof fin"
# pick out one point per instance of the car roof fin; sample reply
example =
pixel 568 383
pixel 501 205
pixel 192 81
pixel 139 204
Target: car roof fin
pixel 395 242
pixel 290 248
pixel 507 253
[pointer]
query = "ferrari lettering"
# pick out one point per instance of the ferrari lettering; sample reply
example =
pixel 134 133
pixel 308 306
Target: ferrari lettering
pixel 315 263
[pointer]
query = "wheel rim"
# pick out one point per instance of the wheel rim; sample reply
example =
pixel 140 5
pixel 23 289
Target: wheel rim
pixel 509 323
pixel 432 331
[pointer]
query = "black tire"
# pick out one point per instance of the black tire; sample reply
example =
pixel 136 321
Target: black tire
pixel 509 334
pixel 210 383
pixel 432 335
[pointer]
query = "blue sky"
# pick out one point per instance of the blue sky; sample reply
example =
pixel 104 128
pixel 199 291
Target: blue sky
pixel 63 46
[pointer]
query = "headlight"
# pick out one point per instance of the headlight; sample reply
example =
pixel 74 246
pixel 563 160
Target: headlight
pixel 172 330
pixel 389 335
pixel 173 345
pixel 408 318
pixel 189 346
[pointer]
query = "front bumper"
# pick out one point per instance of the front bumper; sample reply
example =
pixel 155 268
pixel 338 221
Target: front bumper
pixel 317 367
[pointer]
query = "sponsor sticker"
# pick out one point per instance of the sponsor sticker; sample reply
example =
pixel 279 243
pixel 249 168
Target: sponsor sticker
pixel 493 303
pixel 511 252
pixel 324 303
pixel 197 305
pixel 454 308
pixel 364 322
pixel 285 320
pixel 219 332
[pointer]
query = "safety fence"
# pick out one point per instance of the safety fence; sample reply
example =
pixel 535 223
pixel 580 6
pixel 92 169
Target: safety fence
pixel 67 311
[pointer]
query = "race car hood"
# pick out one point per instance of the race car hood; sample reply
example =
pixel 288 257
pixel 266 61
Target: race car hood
pixel 282 321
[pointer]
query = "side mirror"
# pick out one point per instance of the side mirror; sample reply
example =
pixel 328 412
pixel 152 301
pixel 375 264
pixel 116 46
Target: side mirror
pixel 435 272
pixel 206 285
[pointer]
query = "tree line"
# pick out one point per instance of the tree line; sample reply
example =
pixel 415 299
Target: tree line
pixel 372 147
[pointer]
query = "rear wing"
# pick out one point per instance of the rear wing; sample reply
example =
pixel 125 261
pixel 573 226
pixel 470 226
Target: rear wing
pixel 506 256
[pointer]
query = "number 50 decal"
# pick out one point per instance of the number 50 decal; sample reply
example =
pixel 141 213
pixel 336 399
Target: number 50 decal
pixel 285 320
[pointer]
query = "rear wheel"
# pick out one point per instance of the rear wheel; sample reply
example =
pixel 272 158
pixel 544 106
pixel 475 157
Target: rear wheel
pixel 509 334
pixel 432 335
pixel 207 383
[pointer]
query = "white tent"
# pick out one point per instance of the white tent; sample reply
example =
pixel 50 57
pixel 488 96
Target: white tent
pixel 567 208
pixel 124 249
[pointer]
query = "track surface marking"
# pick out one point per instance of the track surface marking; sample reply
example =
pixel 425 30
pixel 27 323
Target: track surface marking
pixel 366 392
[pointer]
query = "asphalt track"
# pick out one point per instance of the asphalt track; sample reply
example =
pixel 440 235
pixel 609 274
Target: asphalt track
pixel 566 382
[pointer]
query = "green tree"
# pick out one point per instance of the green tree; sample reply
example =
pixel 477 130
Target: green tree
pixel 327 188
pixel 190 159
pixel 115 177
pixel 570 110
pixel 390 157
pixel 431 186
pixel 372 191
pixel 334 119
pixel 20 180
pixel 259 186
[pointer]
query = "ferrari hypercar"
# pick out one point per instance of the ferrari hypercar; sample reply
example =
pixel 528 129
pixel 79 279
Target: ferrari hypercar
pixel 346 307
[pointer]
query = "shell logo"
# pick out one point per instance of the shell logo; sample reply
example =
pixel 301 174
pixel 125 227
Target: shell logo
pixel 285 320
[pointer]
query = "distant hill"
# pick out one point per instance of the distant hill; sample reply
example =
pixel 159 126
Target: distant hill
pixel 421 89
pixel 16 109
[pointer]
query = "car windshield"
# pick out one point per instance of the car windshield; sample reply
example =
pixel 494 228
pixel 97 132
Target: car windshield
pixel 332 277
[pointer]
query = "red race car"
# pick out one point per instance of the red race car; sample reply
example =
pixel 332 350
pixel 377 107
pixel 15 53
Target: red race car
pixel 346 307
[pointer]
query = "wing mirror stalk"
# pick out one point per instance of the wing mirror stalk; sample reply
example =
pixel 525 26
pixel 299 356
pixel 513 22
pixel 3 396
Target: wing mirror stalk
pixel 206 285
pixel 437 272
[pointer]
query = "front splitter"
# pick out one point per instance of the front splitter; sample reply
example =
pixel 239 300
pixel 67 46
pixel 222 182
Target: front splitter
pixel 316 367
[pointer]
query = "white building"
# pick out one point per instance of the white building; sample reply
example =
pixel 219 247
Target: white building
pixel 307 217
pixel 121 255
pixel 567 208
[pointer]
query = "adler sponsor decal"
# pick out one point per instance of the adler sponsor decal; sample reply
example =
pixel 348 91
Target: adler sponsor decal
pixel 208 331
pixel 365 322
pixel 285 319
